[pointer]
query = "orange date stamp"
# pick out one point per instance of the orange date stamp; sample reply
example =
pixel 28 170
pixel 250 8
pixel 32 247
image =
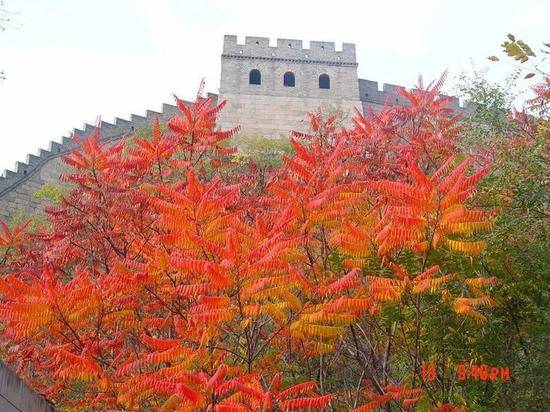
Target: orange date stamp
pixel 482 372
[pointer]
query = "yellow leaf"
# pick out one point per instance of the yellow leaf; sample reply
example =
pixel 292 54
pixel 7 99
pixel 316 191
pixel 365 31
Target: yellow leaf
pixel 470 248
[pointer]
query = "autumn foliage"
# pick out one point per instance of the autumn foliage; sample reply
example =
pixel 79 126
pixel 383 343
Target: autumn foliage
pixel 170 278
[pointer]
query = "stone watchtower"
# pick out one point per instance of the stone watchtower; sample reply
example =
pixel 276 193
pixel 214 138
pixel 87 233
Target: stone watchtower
pixel 269 89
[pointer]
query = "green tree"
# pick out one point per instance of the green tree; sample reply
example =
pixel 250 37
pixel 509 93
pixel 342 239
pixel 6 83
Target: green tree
pixel 516 334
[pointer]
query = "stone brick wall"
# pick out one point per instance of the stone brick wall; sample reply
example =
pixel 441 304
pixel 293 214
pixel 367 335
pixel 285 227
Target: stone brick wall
pixel 374 95
pixel 17 396
pixel 22 198
pixel 289 56
pixel 273 116
pixel 18 188
pixel 270 108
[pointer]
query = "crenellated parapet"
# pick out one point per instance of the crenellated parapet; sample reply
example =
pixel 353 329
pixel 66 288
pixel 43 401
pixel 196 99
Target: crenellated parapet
pixel 17 187
pixel 269 87
pixel 108 131
pixel 380 94
pixel 289 50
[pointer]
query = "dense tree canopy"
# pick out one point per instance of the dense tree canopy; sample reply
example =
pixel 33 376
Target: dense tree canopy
pixel 363 272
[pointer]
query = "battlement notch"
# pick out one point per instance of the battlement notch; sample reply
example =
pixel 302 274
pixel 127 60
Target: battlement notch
pixel 289 49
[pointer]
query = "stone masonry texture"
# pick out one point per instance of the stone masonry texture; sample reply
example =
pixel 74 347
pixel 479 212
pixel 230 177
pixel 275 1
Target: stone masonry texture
pixel 269 109
pixel 17 396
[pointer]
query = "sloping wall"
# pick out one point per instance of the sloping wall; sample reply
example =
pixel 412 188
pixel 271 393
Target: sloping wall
pixel 17 396
pixel 17 188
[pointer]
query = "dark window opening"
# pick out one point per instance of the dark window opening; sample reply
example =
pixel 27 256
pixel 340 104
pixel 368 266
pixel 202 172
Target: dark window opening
pixel 324 81
pixel 288 79
pixel 254 77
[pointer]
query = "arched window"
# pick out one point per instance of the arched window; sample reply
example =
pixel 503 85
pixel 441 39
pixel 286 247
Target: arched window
pixel 254 77
pixel 288 79
pixel 324 81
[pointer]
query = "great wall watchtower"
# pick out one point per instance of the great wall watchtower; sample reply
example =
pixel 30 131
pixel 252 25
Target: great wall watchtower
pixel 269 89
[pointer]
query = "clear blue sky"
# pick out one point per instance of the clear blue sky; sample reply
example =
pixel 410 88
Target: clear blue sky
pixel 72 60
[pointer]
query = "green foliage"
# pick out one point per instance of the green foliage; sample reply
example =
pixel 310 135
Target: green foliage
pixel 520 258
pixel 33 222
pixel 489 102
pixel 49 192
pixel 266 152
pixel 516 333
